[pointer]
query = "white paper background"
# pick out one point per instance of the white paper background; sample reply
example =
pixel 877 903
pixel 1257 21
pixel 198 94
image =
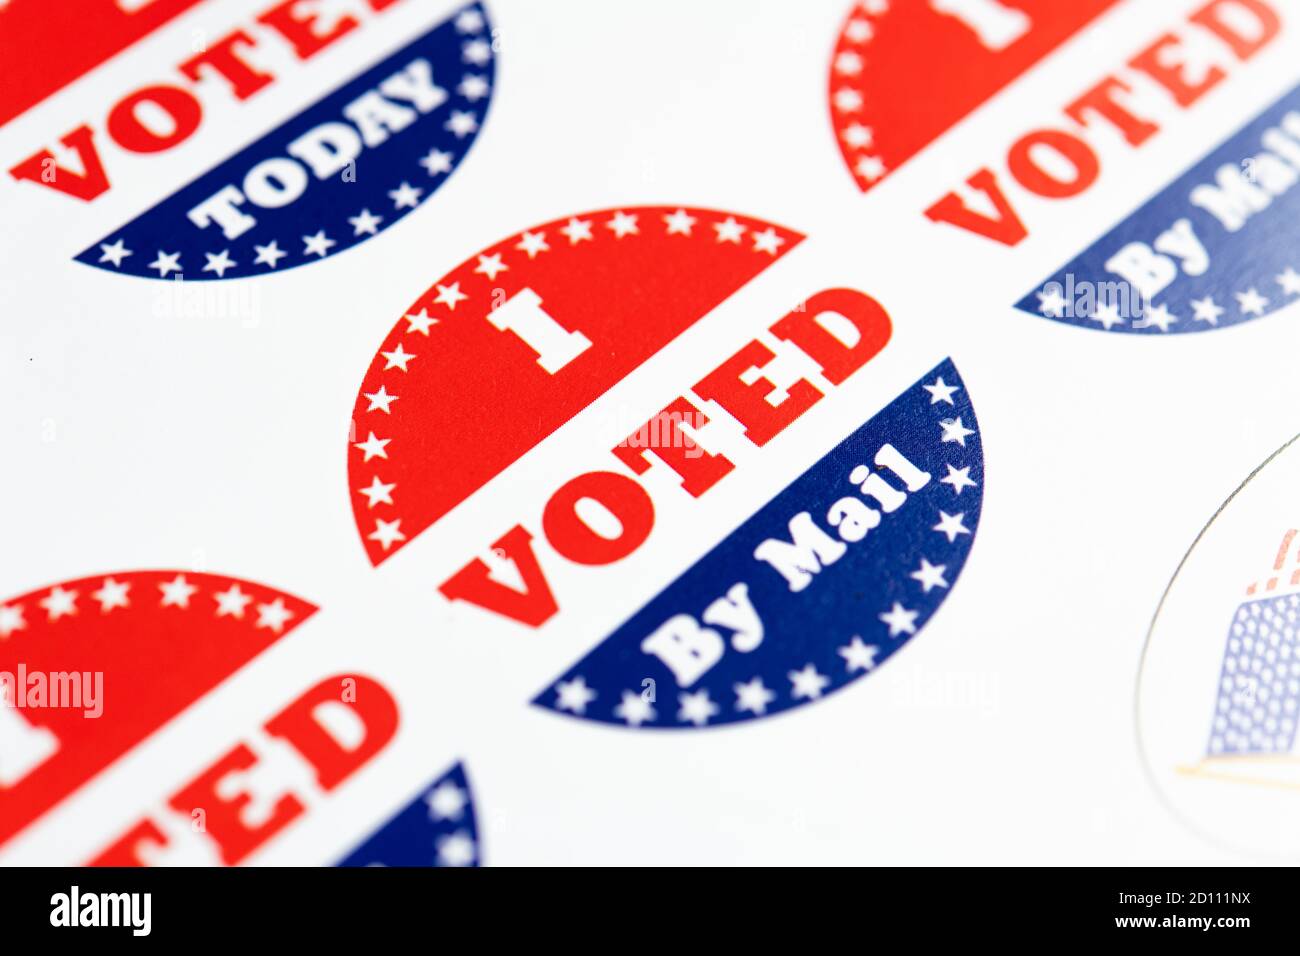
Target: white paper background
pixel 1004 733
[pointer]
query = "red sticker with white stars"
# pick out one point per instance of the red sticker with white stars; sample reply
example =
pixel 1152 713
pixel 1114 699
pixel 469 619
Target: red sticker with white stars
pixel 92 667
pixel 545 321
pixel 905 71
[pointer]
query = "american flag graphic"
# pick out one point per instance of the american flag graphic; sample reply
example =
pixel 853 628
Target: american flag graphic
pixel 1258 692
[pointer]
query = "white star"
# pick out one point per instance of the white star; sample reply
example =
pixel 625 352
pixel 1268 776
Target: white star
pixel 405 196
pixel 473 87
pixel 11 619
pixel 753 697
pixel 869 168
pixel 848 63
pixel 461 123
pixel 387 533
pixel 959 478
pixel 951 525
pixel 679 223
pixel 1107 313
pixel 858 30
pixel 449 295
pixel 59 603
pixel 696 708
pixel 1051 302
pixel 900 620
pixel 177 592
pixel 446 801
pixel 634 709
pixel 622 224
pixel 455 850
pixel 269 254
pixel 848 100
pixel 232 602
pixel 1289 281
pixel 929 575
pixel 941 391
pixel 857 135
pixel 318 245
pixel 490 266
pixel 875 7
pixel 437 162
pixel 378 492
pixel 1158 316
pixel 767 241
pixel 807 683
pixel 397 358
pixel 1251 302
pixel 373 446
pixel 477 52
pixel 532 243
pixel 274 615
pixel 574 695
pixel 1205 310
pixel 420 322
pixel 166 262
pixel 365 223
pixel 114 253
pixel 219 263
pixel 729 231
pixel 577 230
pixel 112 594
pixel 471 21
pixel 859 656
pixel 380 400
pixel 953 430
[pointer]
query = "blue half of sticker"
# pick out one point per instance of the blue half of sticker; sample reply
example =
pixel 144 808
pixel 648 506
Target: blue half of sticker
pixel 817 589
pixel 1218 246
pixel 346 168
pixel 437 828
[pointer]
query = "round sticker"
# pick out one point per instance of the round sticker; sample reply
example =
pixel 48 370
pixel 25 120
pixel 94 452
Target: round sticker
pixel 1218 695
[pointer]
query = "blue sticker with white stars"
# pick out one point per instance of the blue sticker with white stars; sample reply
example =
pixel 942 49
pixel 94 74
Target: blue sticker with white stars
pixel 346 168
pixel 437 828
pixel 1215 248
pixel 814 591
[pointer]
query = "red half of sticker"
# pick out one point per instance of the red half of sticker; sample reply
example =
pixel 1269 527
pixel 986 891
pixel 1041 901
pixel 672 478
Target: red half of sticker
pixel 517 340
pixel 905 71
pixel 90 668
pixel 45 46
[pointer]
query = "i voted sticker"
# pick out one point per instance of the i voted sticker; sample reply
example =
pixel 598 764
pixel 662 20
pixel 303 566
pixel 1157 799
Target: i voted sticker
pixel 340 170
pixel 90 668
pixel 1216 247
pixel 94 671
pixel 1212 248
pixel 1218 697
pixel 517 344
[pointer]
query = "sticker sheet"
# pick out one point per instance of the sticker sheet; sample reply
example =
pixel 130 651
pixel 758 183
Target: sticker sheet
pixel 507 433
